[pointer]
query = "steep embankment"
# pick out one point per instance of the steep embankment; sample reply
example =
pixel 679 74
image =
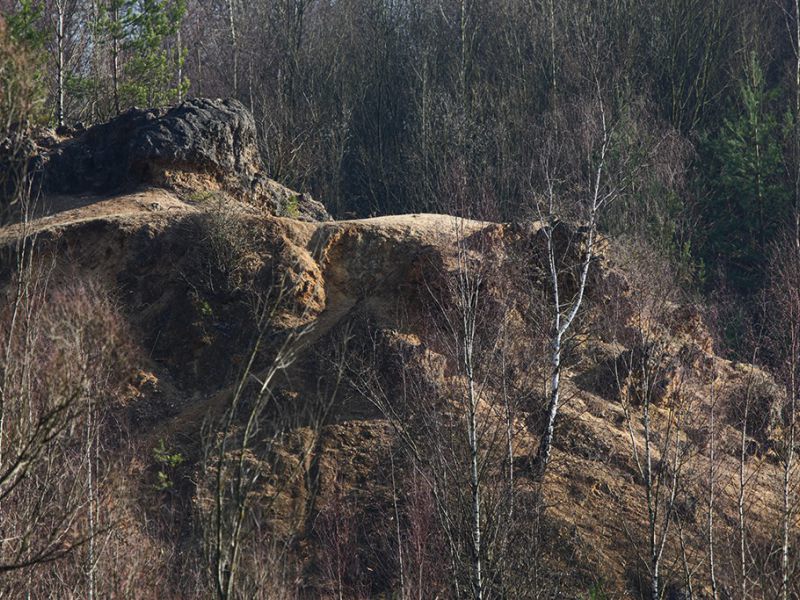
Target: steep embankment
pixel 192 266
pixel 194 324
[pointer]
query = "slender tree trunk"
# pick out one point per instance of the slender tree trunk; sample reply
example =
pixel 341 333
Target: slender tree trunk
pixel 797 126
pixel 509 444
pixel 760 188
pixel 60 35
pixel 469 320
pixel 179 61
pixel 115 60
pixel 563 321
pixel 787 511
pixel 465 56
pixel 788 463
pixel 477 581
pixel 553 80
pixel 555 391
pixel 687 571
pixel 90 492
pixel 397 532
pixel 561 325
pixel 234 45
pixel 654 582
pixel 250 87
pixel 712 567
pixel 652 502
pixel 740 503
pixel 95 71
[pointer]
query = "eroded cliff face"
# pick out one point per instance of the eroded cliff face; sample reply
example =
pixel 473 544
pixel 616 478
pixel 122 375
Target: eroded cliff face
pixel 186 278
pixel 193 274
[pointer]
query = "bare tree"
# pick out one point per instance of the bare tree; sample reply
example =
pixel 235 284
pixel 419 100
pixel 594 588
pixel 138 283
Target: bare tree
pixel 70 40
pixel 232 18
pixel 229 514
pixel 54 360
pixel 51 358
pixel 233 516
pixel 468 297
pixel 749 413
pixel 61 10
pixel 785 336
pixel 650 379
pixel 710 508
pixel 459 431
pixel 565 310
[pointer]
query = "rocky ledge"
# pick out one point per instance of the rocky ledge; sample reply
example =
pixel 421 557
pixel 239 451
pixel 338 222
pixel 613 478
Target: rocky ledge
pixel 200 145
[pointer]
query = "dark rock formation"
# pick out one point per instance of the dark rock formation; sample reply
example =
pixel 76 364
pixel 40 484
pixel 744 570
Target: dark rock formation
pixel 210 137
pixel 200 144
pixel 217 137
pixel 99 160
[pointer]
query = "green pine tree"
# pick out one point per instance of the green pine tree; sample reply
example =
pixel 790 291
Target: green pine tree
pixel 24 25
pixel 140 37
pixel 111 34
pixel 745 198
pixel 25 32
pixel 150 72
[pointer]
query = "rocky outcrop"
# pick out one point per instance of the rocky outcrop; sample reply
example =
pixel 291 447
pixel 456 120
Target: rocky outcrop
pixel 198 146
pixel 217 137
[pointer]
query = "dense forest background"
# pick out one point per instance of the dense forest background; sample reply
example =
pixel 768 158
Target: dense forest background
pixel 387 106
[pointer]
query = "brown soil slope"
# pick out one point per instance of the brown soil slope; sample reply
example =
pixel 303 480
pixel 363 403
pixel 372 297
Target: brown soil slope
pixel 196 263
pixel 185 274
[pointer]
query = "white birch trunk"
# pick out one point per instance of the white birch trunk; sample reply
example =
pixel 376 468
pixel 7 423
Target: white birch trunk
pixel 563 321
pixel 740 504
pixel 710 523
pixel 60 35
pixel 234 45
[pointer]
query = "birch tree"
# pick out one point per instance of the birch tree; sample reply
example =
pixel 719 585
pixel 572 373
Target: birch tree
pixel 785 335
pixel 459 433
pixel 650 381
pixel 232 29
pixel 565 310
pixel 712 477
pixel 61 34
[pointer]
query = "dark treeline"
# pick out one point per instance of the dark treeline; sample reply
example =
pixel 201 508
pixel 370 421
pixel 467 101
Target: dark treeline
pixel 389 106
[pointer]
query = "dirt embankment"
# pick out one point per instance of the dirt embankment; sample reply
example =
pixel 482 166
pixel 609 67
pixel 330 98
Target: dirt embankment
pixel 193 261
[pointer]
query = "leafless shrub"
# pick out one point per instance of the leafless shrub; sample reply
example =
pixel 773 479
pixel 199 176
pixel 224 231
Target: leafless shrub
pixel 256 450
pixel 226 242
pixel 339 562
pixel 64 363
